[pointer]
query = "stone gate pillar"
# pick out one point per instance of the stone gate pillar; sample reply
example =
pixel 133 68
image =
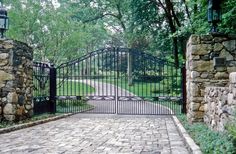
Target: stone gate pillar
pixel 209 61
pixel 16 82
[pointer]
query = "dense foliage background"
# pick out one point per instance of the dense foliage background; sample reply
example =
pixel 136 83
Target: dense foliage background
pixel 61 30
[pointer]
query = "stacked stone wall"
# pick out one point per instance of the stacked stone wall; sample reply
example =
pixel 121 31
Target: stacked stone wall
pixel 16 83
pixel 201 71
pixel 220 105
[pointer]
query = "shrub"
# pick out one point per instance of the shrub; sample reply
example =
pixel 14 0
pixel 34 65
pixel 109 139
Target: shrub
pixel 71 103
pixel 231 127
pixel 161 90
pixel 210 142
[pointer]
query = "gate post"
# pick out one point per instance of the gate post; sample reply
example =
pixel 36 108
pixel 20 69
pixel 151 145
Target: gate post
pixel 184 92
pixel 53 88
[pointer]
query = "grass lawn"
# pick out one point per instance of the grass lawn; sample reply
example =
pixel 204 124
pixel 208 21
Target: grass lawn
pixel 73 88
pixel 146 89
pixel 72 106
pixel 69 88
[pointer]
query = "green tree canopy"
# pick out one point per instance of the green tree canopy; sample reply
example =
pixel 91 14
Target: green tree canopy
pixel 75 27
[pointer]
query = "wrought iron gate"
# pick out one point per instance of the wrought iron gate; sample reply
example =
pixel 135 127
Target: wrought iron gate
pixel 43 74
pixel 121 81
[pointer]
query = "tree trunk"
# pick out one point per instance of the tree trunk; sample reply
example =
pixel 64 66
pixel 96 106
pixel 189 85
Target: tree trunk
pixel 175 49
pixel 171 17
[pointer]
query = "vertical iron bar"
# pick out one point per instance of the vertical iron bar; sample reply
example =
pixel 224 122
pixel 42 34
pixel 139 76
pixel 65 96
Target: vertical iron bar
pixel 184 96
pixel 106 74
pixel 116 79
pixel 53 89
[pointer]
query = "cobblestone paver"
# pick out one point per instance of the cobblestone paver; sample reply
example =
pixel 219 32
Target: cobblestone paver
pixel 88 134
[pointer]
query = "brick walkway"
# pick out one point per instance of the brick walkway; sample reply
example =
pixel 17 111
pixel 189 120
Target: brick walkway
pixel 90 134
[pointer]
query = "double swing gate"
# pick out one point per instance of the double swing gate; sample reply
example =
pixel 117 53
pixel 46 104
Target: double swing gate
pixel 110 81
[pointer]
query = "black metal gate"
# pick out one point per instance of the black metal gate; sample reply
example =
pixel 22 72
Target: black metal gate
pixel 41 93
pixel 119 81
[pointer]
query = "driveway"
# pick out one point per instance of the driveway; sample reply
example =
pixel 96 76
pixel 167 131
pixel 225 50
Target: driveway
pixel 92 134
pixel 134 106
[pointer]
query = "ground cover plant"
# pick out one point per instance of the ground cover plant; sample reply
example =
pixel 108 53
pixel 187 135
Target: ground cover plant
pixel 210 142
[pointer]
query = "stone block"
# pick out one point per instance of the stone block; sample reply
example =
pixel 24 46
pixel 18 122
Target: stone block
pixel 201 49
pixel 232 77
pixel 221 75
pixel 202 108
pixel 194 57
pixel 221 69
pixel 206 37
pixel 204 75
pixel 20 111
pixel 231 64
pixel 231 69
pixel 196 99
pixel 194 90
pixel 202 92
pixel 234 92
pixel 28 107
pixel 12 97
pixel 231 99
pixel 194 74
pixel 3 56
pixel 205 57
pixel 230 45
pixel 219 39
pixel 4 62
pixel 225 54
pixel 4 100
pixel 205 107
pixel 21 100
pixel 2 85
pixel 9 109
pixel 9 117
pixel 198 115
pixel 201 66
pixel 194 39
pixel 218 47
pixel 4 76
pixel 7 44
pixel 194 106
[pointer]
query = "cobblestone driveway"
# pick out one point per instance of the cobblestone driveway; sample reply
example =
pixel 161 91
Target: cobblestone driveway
pixel 97 134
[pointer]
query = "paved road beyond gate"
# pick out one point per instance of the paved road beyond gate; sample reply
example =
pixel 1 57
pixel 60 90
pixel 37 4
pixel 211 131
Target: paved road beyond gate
pixel 117 81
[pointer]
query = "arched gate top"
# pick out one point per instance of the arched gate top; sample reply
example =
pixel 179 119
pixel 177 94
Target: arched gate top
pixel 117 50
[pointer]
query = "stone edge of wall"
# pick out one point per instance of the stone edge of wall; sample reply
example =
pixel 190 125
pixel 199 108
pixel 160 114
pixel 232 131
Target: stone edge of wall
pixel 191 145
pixel 220 104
